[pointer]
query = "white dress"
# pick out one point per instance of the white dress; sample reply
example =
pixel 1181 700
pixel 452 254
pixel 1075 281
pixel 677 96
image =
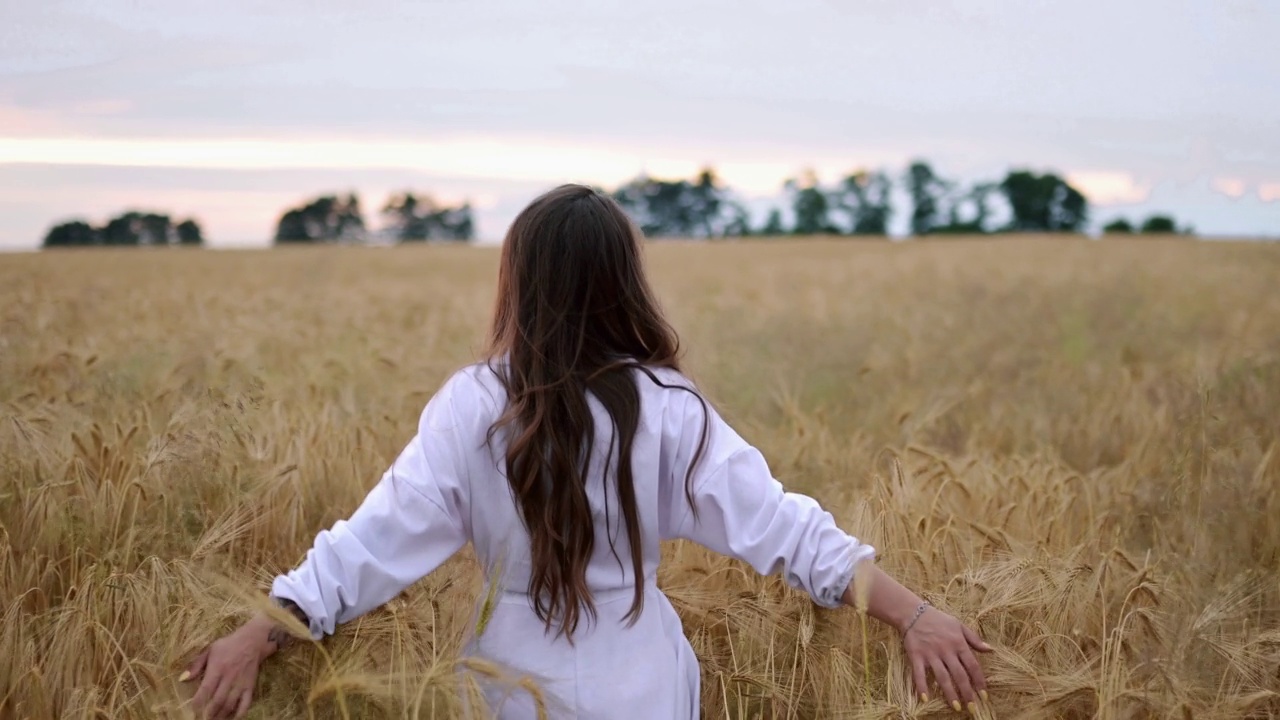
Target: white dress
pixel 447 488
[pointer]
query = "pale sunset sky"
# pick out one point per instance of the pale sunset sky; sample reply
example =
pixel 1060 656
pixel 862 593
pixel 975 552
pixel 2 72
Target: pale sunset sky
pixel 232 111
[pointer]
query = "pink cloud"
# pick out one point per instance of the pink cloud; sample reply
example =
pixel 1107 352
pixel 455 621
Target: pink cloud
pixel 25 122
pixel 1110 187
pixel 1231 187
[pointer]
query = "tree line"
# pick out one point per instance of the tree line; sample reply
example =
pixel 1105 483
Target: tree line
pixel 128 228
pixel 859 204
pixel 407 217
pixel 1160 224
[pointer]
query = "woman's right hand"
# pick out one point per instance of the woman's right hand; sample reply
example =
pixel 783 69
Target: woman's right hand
pixel 228 670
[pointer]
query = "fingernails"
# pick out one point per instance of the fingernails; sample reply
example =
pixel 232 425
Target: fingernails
pixel 973 708
pixel 983 694
pixel 955 705
pixel 185 676
pixel 924 697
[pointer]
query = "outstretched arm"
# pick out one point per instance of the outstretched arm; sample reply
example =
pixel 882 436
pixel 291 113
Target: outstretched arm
pixel 743 512
pixel 413 520
pixel 934 641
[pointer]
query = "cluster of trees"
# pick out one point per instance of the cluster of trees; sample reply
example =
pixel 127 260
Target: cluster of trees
pixel 407 217
pixel 129 228
pixel 1154 225
pixel 412 217
pixel 860 204
pixel 857 204
pixel 701 207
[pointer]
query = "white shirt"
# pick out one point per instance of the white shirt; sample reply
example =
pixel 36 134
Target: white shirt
pixel 449 486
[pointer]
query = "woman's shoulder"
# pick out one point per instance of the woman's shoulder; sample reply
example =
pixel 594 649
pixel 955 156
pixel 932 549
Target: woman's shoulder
pixel 471 397
pixel 477 391
pixel 671 398
pixel 476 385
pixel 656 380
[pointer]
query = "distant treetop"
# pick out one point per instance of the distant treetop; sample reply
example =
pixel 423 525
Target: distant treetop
pixel 1159 224
pixel 325 219
pixel 411 217
pixel 407 216
pixel 859 204
pixel 127 229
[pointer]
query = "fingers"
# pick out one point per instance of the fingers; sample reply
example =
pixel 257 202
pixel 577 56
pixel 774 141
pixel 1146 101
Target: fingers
pixel 196 667
pixel 246 698
pixel 960 678
pixel 974 669
pixel 919 678
pixel 942 676
pixel 221 697
pixel 975 641
pixel 205 692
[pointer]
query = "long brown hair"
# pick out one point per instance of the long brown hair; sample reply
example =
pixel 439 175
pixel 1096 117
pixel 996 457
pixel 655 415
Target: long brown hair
pixel 575 314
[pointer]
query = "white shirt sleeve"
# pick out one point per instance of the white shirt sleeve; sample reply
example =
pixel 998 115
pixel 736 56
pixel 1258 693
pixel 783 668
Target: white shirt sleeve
pixel 743 512
pixel 413 520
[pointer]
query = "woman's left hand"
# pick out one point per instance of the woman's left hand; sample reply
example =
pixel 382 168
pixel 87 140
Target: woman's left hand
pixel 941 644
pixel 228 671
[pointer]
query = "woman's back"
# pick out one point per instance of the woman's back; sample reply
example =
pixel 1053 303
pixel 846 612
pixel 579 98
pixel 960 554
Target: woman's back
pixel 660 456
pixel 640 670
pixel 613 666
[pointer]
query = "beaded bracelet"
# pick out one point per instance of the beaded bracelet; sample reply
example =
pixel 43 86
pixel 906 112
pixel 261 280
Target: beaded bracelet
pixel 919 611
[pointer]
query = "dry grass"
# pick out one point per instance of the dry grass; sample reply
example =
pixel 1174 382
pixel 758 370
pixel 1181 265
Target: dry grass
pixel 1070 444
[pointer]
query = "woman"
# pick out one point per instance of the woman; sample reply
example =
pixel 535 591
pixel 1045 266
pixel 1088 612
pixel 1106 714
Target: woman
pixel 565 459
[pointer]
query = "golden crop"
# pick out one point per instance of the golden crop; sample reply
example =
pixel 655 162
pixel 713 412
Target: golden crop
pixel 1070 444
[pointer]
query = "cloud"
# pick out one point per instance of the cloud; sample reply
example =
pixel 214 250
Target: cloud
pixel 508 91
pixel 1231 187
pixel 1109 187
pixel 1269 191
pixel 753 170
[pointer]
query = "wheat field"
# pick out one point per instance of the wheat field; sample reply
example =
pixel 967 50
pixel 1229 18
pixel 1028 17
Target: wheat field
pixel 1069 444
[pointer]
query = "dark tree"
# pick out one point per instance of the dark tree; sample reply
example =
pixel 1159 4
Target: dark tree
pixel 1043 203
pixel 1159 224
pixel 189 233
pixel 137 228
pixel 660 207
pixel 811 205
pixel 773 224
pixel 702 207
pixel 292 227
pixel 325 219
pixel 705 201
pixel 128 228
pixel 969 212
pixel 72 234
pixel 457 223
pixel 1119 226
pixel 927 192
pixel 737 221
pixel 123 230
pixel 864 197
pixel 411 217
pixel 350 221
pixel 155 229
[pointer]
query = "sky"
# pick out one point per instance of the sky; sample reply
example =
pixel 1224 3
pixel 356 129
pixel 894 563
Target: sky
pixel 233 111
